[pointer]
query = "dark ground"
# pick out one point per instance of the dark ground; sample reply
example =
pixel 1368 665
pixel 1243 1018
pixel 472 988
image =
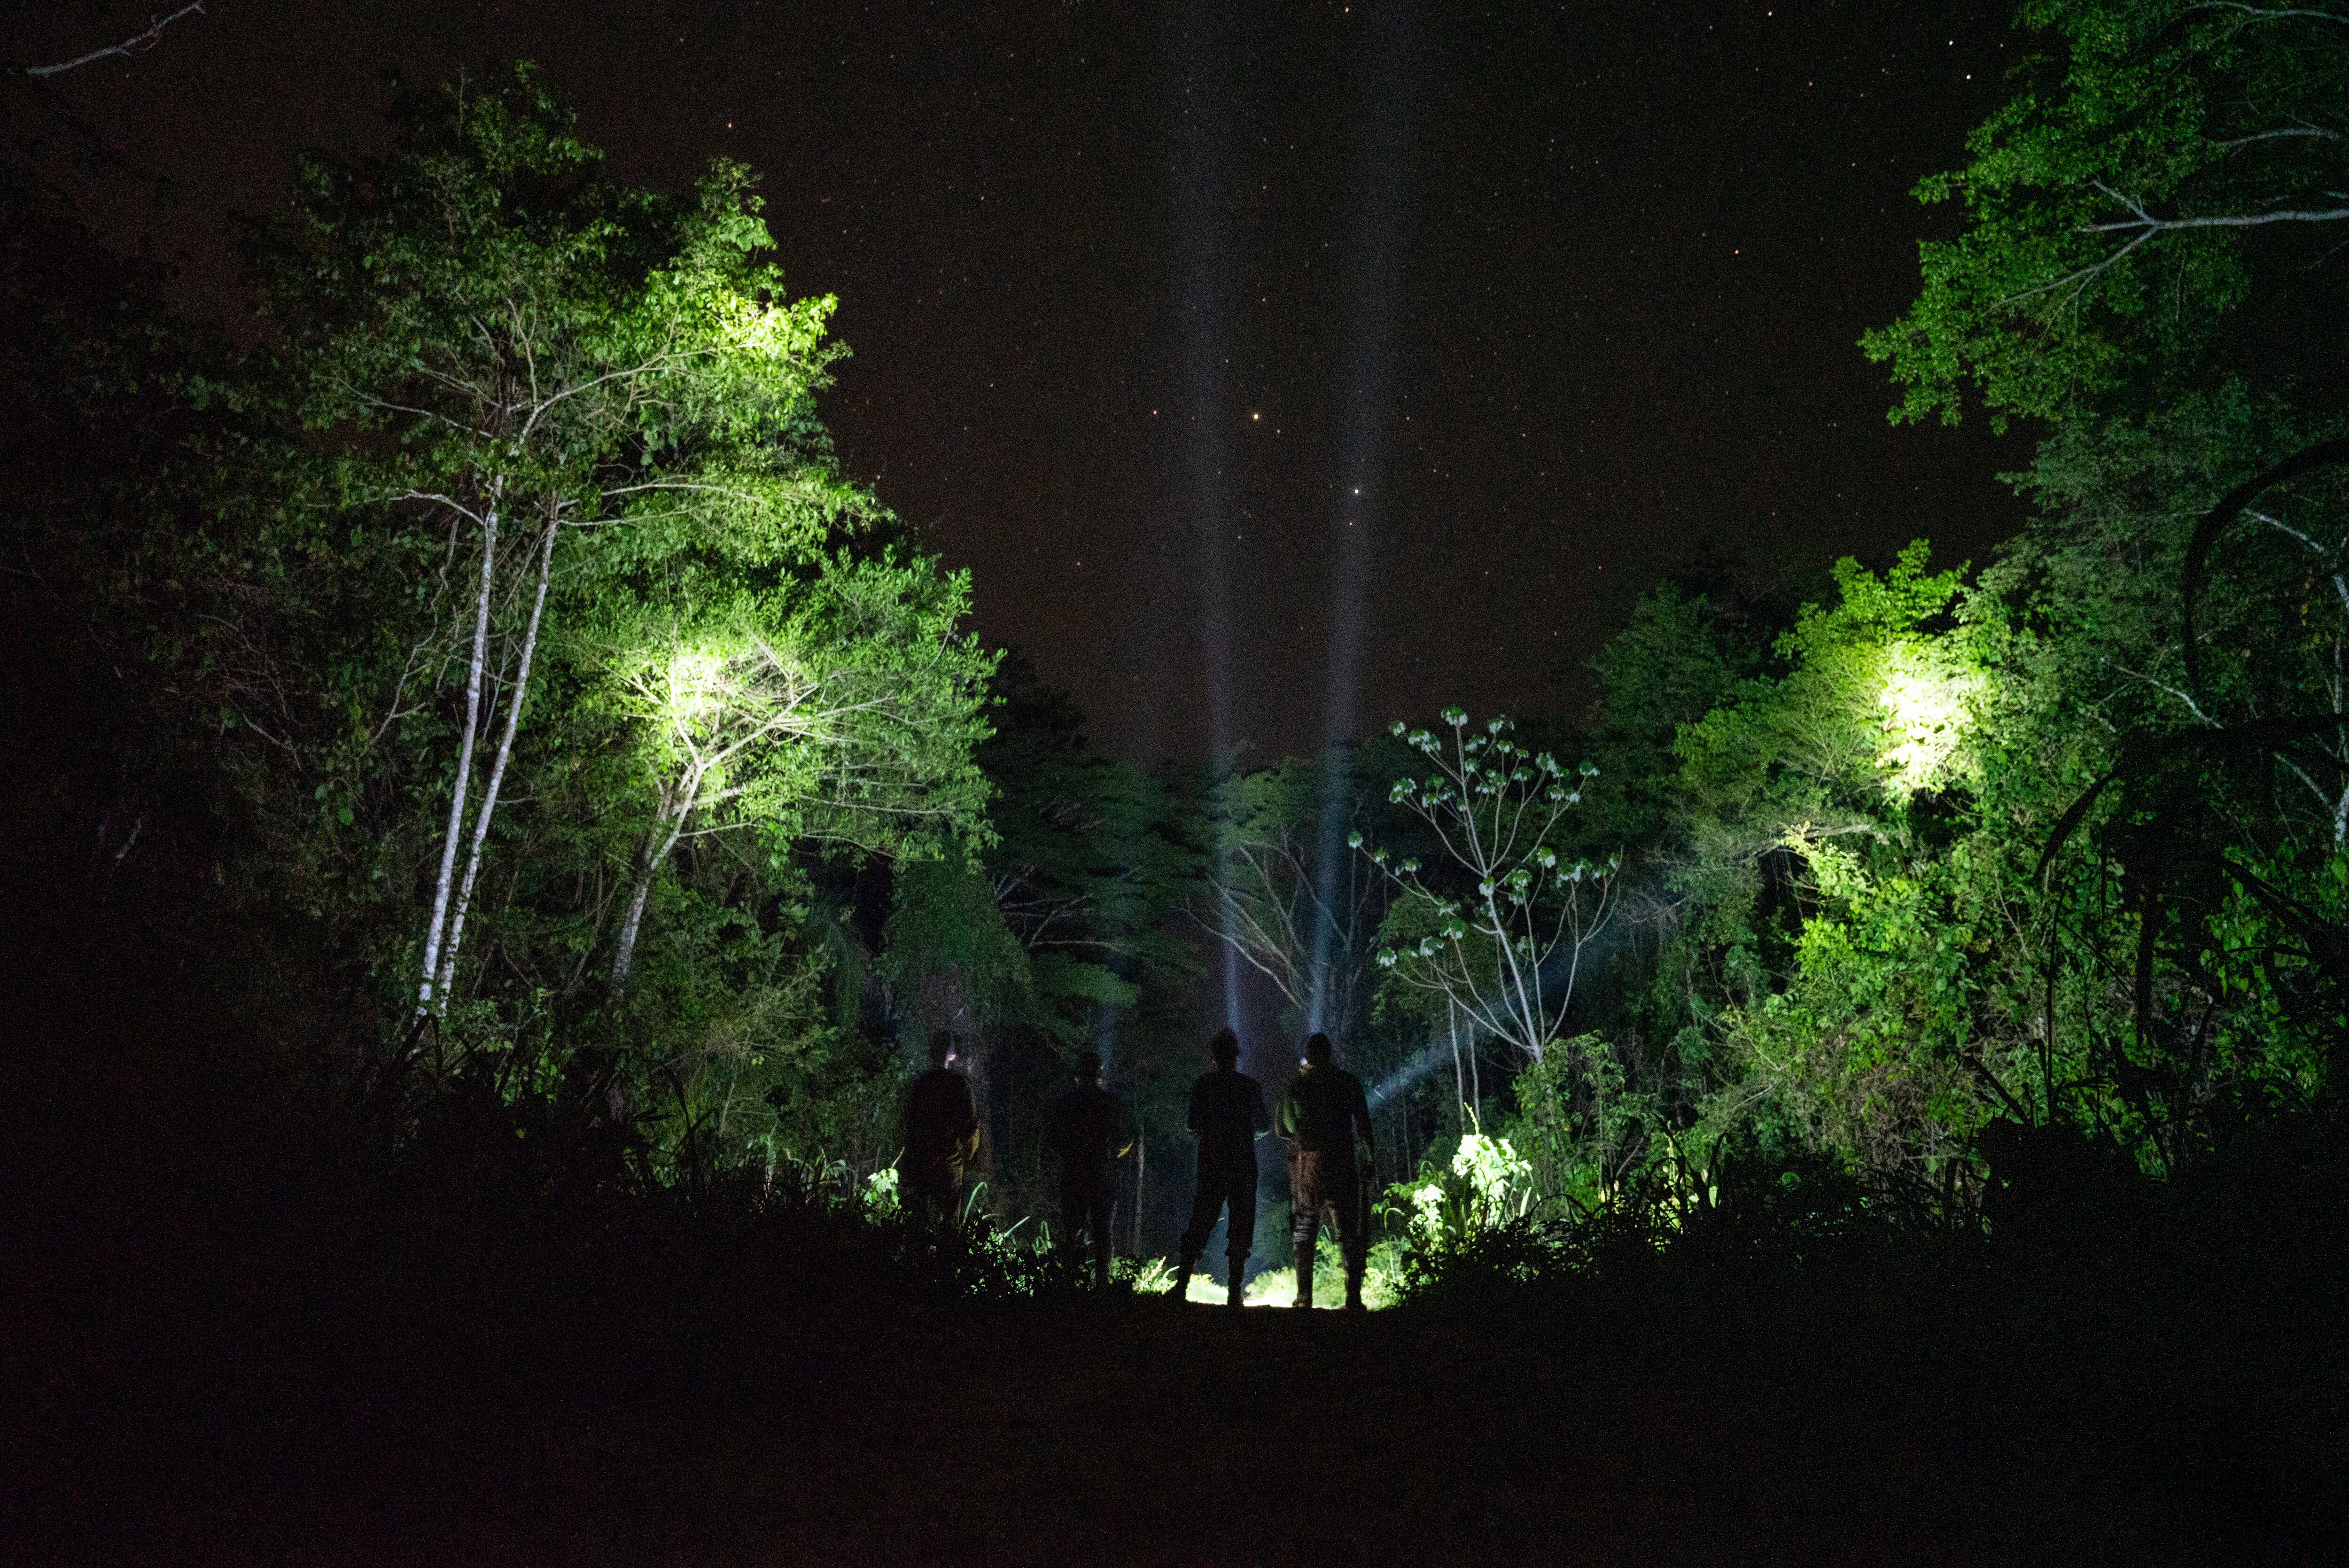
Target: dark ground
pixel 1012 1434
pixel 222 1345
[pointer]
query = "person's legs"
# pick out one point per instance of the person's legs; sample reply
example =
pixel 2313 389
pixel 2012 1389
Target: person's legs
pixel 1084 1212
pixel 1306 1196
pixel 1072 1211
pixel 1206 1200
pixel 1098 1230
pixel 934 1203
pixel 1239 1235
pixel 1349 1221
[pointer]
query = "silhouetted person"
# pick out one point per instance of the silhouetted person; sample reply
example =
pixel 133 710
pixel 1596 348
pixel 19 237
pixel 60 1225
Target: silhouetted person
pixel 1089 1132
pixel 1228 1113
pixel 1320 1112
pixel 941 1139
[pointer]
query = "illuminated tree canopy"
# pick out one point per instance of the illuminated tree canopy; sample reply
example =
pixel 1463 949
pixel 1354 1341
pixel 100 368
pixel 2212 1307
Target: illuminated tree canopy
pixel 599 748
pixel 2160 161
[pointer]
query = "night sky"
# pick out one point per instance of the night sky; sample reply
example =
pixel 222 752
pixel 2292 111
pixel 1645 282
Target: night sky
pixel 1276 370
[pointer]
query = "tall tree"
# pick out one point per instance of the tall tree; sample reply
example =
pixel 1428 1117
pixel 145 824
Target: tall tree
pixel 2147 227
pixel 521 500
pixel 1306 920
pixel 521 351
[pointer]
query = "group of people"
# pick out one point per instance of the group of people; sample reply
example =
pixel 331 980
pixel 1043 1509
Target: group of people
pixel 1324 1120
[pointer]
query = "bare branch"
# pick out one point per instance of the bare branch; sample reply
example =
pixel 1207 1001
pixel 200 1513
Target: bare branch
pixel 130 48
pixel 2271 135
pixel 2080 277
pixel 2144 223
pixel 2282 527
pixel 2266 14
pixel 2165 688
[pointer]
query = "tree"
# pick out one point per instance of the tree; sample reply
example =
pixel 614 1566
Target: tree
pixel 2184 813
pixel 1308 927
pixel 840 710
pixel 515 341
pixel 498 619
pixel 2147 225
pixel 1860 943
pixel 1059 930
pixel 1088 860
pixel 1497 927
pixel 2125 203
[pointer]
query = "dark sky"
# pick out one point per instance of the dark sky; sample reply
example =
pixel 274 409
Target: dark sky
pixel 1141 297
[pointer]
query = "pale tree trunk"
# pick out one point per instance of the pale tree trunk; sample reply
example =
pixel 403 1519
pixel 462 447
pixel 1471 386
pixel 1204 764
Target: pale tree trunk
pixel 657 852
pixel 498 769
pixel 449 838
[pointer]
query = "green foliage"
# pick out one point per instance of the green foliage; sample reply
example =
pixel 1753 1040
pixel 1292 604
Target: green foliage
pixel 1681 656
pixel 2153 833
pixel 1978 853
pixel 1486 1184
pixel 502 665
pixel 948 952
pixel 529 656
pixel 2153 172
pixel 1089 863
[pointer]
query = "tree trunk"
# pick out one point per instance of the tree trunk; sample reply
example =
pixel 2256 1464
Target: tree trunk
pixel 657 852
pixel 424 997
pixel 1459 1079
pixel 497 770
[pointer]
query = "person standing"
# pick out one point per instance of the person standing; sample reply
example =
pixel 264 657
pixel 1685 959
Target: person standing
pixel 1091 1134
pixel 1320 1112
pixel 1228 1113
pixel 941 1138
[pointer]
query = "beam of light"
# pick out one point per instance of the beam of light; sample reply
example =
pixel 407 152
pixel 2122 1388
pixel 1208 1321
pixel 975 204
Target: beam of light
pixel 1206 281
pixel 1382 196
pixel 1331 866
pixel 1436 1053
pixel 1105 1035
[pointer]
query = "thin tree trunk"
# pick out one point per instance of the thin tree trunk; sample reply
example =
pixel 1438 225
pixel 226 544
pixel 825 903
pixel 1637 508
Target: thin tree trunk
pixel 1477 1080
pixel 424 997
pixel 657 852
pixel 497 770
pixel 1459 1077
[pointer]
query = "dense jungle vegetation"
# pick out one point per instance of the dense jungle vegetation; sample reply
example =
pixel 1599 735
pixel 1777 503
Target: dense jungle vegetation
pixel 495 812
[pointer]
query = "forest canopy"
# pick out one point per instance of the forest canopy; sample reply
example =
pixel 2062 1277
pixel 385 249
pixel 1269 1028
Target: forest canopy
pixel 530 654
pixel 559 998
pixel 512 702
